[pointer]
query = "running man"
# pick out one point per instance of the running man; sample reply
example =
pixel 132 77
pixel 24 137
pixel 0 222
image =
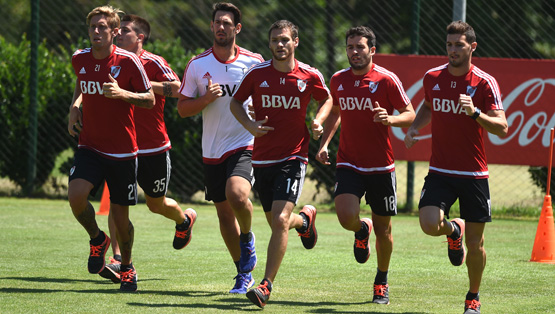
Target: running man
pixel 112 82
pixel 152 138
pixel 458 165
pixel 281 90
pixel 365 162
pixel 213 76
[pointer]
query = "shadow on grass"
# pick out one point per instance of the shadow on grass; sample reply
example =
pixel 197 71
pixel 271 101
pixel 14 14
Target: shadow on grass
pixel 97 280
pixel 243 304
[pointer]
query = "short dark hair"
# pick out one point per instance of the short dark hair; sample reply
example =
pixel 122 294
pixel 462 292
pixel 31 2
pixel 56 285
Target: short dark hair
pixel 140 25
pixel 362 31
pixel 228 7
pixel 462 28
pixel 283 24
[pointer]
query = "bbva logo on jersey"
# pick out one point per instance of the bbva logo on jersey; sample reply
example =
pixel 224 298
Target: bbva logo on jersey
pixel 354 103
pixel 227 90
pixel 447 105
pixel 91 87
pixel 277 101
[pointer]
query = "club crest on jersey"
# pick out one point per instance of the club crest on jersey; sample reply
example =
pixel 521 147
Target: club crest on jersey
pixel 373 86
pixel 470 90
pixel 301 84
pixel 114 71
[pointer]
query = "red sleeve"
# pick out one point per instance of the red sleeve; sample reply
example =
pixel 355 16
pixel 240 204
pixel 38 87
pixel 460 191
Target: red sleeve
pixel 321 91
pixel 246 88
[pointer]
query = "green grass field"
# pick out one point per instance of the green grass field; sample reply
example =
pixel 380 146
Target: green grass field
pixel 44 253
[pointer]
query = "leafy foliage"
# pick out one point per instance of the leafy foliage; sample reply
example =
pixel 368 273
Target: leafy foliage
pixel 55 84
pixel 539 176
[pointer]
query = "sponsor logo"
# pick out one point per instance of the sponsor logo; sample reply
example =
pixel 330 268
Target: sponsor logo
pixel 114 70
pixel 228 90
pixel 91 87
pixel 436 87
pixel 72 170
pixel 277 101
pixel 340 88
pixel 264 84
pixel 207 75
pixel 82 71
pixel 354 103
pixel 447 105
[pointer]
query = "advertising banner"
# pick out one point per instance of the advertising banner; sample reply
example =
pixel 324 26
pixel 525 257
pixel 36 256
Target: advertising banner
pixel 528 93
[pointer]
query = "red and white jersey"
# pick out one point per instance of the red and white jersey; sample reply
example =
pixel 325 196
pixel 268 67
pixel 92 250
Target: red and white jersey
pixel 457 139
pixel 284 98
pixel 152 136
pixel 222 134
pixel 364 145
pixel 108 124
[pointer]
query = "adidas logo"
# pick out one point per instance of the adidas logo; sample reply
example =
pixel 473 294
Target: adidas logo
pixel 82 71
pixel 436 87
pixel 264 84
pixel 207 76
pixel 340 88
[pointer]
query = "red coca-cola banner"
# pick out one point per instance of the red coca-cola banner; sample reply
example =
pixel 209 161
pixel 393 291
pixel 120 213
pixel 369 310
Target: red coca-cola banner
pixel 528 93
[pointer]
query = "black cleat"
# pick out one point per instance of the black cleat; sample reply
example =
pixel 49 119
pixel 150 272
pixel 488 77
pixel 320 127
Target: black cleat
pixel 381 294
pixel 361 248
pixel 456 250
pixel 309 236
pixel 97 254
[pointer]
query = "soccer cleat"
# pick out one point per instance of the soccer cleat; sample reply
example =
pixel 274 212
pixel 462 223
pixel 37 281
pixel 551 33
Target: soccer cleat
pixel 472 307
pixel 259 295
pixel 309 236
pixel 243 281
pixel 112 272
pixel 456 250
pixel 381 294
pixel 128 280
pixel 97 254
pixel 361 248
pixel 183 237
pixel 247 261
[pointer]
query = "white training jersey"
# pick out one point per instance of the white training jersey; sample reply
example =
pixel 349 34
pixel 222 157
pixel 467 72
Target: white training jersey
pixel 222 134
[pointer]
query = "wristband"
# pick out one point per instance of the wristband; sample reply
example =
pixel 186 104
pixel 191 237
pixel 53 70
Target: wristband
pixel 476 113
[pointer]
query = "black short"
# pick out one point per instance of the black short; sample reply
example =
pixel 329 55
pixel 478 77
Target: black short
pixel 120 175
pixel 154 173
pixel 283 181
pixel 215 176
pixel 380 189
pixel 473 194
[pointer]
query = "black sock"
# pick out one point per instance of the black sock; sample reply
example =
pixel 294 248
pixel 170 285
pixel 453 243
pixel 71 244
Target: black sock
pixel 237 266
pixel 99 238
pixel 473 296
pixel 381 278
pixel 363 232
pixel 117 257
pixel 125 268
pixel 184 225
pixel 245 237
pixel 269 285
pixel 456 231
